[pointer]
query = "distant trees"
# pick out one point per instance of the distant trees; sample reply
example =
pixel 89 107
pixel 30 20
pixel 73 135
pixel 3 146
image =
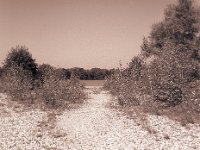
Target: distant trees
pixel 79 73
pixel 63 73
pixel 85 74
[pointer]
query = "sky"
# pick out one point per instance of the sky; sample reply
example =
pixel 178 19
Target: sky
pixel 78 33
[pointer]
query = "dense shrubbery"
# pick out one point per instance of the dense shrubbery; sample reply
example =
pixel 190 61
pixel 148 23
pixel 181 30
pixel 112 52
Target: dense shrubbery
pixel 23 80
pixel 19 74
pixel 129 85
pixel 167 69
pixel 17 83
pixel 19 56
pixel 56 91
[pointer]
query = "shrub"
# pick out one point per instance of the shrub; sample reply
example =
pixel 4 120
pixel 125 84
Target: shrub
pixel 129 85
pixel 22 58
pixel 123 88
pixel 17 83
pixel 24 82
pixel 57 92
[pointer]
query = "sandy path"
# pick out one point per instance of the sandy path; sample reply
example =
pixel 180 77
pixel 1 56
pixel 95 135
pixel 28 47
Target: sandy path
pixel 96 126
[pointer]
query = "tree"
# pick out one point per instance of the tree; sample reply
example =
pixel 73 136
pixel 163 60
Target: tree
pixel 19 56
pixel 181 26
pixel 174 45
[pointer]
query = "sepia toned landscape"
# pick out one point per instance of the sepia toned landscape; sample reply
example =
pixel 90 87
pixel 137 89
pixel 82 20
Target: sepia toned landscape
pixel 74 76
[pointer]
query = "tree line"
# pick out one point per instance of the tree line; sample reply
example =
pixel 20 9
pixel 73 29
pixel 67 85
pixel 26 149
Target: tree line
pixel 83 74
pixel 63 73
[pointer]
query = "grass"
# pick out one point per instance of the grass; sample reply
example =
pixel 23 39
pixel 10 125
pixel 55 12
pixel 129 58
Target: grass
pixel 92 82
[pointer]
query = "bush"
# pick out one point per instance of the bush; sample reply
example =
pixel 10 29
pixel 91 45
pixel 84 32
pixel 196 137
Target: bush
pixel 57 92
pixel 123 88
pixel 22 80
pixel 20 57
pixel 129 85
pixel 17 83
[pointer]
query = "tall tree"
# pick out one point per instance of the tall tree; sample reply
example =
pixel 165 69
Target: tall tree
pixel 181 25
pixel 173 43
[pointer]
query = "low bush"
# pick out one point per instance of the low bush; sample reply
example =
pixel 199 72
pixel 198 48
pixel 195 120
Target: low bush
pixel 17 83
pixel 123 89
pixel 56 92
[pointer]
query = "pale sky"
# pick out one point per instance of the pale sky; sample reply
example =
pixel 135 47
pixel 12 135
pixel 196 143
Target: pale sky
pixel 78 33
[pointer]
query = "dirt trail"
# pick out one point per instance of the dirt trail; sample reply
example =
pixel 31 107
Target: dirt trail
pixel 96 126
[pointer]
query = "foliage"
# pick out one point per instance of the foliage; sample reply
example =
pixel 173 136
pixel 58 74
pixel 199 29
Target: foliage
pixel 63 73
pixel 89 74
pixel 24 81
pixel 44 72
pixel 180 25
pixel 169 61
pixel 19 56
pixel 57 92
pixel 129 84
pixel 173 43
pixel 17 83
pixel 171 75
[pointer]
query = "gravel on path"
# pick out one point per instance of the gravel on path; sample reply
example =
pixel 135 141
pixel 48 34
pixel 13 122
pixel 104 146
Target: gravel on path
pixel 97 126
pixel 93 126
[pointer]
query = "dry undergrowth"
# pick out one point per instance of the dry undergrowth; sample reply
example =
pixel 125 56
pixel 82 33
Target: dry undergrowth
pixel 141 113
pixel 177 113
